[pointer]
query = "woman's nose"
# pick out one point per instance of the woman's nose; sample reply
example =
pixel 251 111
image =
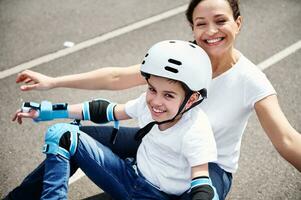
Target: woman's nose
pixel 212 29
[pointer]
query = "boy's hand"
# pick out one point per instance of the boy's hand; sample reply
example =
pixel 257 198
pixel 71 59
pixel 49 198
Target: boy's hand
pixel 34 81
pixel 33 114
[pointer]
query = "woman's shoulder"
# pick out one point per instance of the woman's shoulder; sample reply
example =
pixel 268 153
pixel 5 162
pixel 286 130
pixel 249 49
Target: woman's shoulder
pixel 247 70
pixel 248 66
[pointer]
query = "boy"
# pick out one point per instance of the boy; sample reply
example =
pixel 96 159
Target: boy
pixel 177 141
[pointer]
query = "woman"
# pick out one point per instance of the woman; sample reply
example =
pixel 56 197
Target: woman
pixel 236 81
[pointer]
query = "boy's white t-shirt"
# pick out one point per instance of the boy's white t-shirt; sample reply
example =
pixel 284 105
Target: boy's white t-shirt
pixel 165 157
pixel 230 102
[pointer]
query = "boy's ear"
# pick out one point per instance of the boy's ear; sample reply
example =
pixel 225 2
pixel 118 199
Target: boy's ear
pixel 193 98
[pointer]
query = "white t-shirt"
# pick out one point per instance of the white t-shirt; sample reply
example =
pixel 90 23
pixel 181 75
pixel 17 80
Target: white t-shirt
pixel 230 102
pixel 165 157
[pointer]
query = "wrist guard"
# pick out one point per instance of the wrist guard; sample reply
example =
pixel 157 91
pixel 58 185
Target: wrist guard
pixel 202 189
pixel 47 110
pixel 101 111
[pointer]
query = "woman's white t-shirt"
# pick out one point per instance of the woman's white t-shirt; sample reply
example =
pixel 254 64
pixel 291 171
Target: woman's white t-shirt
pixel 230 102
pixel 165 157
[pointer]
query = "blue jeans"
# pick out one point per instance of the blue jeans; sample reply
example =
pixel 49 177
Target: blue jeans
pixel 125 146
pixel 117 177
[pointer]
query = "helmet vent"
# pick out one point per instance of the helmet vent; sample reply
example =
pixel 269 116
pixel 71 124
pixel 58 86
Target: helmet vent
pixel 192 45
pixel 173 70
pixel 172 41
pixel 143 62
pixel 173 61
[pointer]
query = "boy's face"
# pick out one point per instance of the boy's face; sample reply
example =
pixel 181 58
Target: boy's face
pixel 164 98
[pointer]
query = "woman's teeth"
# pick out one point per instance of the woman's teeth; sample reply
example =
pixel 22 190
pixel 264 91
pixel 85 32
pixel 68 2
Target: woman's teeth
pixel 214 40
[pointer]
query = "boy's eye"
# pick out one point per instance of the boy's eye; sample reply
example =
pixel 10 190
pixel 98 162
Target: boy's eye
pixel 151 89
pixel 169 96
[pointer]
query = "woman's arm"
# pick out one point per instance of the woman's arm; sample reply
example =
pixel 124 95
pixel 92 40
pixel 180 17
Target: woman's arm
pixel 109 78
pixel 284 137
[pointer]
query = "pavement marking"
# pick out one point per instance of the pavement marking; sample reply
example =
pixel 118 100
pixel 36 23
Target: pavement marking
pixel 88 43
pixel 280 55
pixel 263 65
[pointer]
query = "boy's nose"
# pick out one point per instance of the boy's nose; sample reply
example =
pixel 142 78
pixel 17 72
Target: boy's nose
pixel 157 101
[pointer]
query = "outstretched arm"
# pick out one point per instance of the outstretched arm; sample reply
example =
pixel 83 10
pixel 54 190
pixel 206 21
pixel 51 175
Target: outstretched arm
pixel 284 137
pixel 109 78
pixel 98 111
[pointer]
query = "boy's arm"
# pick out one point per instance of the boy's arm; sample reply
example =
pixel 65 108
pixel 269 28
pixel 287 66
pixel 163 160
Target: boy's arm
pixel 98 111
pixel 109 78
pixel 75 112
pixel 201 186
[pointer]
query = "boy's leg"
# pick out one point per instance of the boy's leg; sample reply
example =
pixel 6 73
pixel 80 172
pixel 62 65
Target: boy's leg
pixel 31 187
pixel 112 174
pixel 221 180
pixel 104 168
pixel 63 141
pixel 56 176
pixel 125 146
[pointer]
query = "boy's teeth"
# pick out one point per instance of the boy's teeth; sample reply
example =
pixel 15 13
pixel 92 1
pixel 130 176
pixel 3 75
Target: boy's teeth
pixel 157 110
pixel 214 40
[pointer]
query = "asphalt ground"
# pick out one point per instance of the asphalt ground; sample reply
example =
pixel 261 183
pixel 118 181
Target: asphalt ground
pixel 35 28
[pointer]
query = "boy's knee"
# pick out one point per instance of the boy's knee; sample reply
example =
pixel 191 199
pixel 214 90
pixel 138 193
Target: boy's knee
pixel 61 139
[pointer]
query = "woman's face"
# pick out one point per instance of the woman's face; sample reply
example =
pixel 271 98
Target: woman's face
pixel 214 27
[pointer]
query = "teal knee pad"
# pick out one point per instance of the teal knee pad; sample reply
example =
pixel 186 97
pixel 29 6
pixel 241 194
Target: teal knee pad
pixel 61 139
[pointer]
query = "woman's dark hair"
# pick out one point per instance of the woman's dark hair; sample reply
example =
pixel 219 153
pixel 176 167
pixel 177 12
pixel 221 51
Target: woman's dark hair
pixel 234 4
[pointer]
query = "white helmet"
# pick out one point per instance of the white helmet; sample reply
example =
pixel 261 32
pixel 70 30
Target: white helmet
pixel 179 60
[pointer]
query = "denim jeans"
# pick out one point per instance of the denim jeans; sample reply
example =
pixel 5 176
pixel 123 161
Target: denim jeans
pixel 116 176
pixel 125 146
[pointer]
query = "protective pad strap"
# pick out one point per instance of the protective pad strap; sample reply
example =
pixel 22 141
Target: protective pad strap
pixel 200 181
pixel 45 111
pixel 54 135
pixel 86 111
pixel 111 117
pixel 201 187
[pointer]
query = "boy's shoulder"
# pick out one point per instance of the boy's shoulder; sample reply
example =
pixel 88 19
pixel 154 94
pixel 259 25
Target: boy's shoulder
pixel 197 120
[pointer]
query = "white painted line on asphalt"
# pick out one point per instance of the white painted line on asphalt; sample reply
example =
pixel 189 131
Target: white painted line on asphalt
pixel 279 56
pixel 263 65
pixel 91 42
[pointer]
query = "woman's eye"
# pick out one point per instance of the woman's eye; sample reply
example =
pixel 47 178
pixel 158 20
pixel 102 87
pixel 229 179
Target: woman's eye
pixel 200 24
pixel 221 22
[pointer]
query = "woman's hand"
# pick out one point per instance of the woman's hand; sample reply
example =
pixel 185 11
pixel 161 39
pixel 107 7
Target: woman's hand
pixel 19 115
pixel 34 81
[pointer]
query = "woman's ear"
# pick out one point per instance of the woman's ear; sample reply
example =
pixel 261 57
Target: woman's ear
pixel 238 22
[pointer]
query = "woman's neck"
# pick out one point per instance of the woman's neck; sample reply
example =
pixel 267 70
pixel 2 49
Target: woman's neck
pixel 223 63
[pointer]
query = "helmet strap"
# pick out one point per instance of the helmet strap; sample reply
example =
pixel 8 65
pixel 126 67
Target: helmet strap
pixel 143 131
